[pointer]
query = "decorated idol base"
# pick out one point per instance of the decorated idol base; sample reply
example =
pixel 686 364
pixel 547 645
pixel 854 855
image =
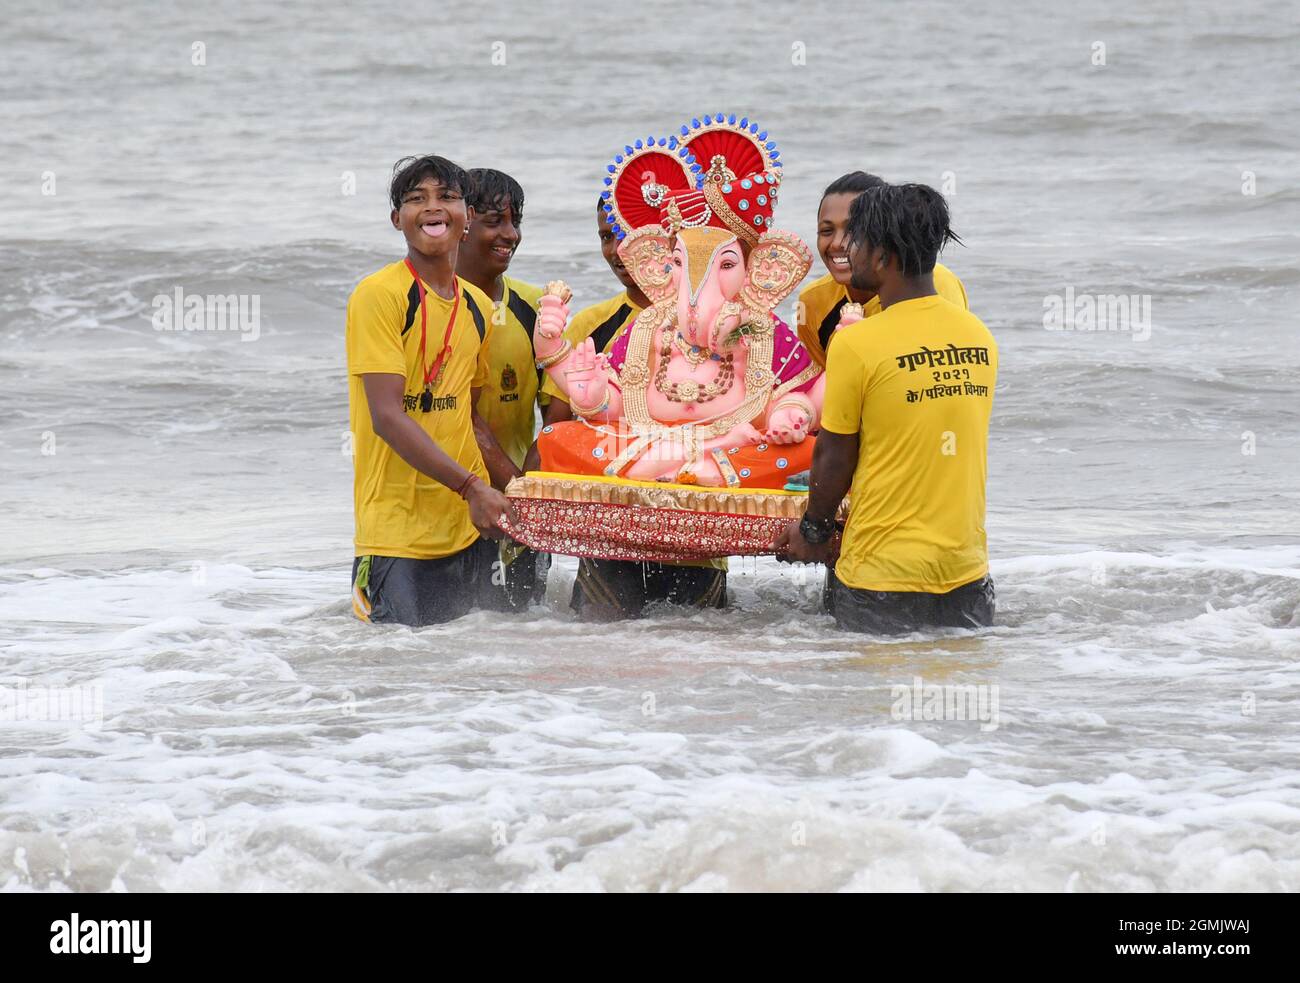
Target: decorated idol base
pixel 621 519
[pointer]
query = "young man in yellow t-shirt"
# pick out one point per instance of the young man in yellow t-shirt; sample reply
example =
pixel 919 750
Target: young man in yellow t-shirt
pixel 905 424
pixel 820 303
pixel 606 590
pixel 416 358
pixel 505 417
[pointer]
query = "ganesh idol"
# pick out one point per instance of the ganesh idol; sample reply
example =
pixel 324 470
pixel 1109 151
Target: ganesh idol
pixel 708 387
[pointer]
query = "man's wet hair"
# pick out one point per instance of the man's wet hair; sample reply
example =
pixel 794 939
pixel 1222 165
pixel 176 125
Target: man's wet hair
pixel 909 221
pixel 490 191
pixel 410 171
pixel 853 183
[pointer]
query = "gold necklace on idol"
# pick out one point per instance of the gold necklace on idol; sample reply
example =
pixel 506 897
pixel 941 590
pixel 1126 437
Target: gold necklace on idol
pixel 689 390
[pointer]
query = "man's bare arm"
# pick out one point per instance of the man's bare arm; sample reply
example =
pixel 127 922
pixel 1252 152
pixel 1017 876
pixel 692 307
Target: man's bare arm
pixel 557 411
pixel 499 466
pixel 835 458
pixel 384 392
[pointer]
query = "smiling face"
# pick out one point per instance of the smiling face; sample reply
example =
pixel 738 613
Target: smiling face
pixel 832 235
pixel 432 217
pixel 494 235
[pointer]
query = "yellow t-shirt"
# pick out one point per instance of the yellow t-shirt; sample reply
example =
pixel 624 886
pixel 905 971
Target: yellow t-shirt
pixel 507 401
pixel 818 310
pixel 916 383
pixel 399 511
pixel 604 323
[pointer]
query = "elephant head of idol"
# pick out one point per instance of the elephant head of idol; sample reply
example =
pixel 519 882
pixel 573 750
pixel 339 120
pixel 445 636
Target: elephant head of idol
pixel 693 213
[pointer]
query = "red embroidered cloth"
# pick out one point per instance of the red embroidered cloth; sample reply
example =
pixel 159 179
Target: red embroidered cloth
pixel 636 532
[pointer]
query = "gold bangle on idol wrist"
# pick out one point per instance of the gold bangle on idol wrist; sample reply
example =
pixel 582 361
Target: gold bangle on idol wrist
pixel 548 360
pixel 592 411
pixel 800 402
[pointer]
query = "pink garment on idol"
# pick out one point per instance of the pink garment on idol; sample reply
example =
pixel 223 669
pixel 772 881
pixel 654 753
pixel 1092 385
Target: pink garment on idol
pixel 789 356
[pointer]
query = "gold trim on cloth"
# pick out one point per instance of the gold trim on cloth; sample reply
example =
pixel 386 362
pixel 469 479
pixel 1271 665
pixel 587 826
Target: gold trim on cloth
pixel 807 375
pixel 770 503
pixel 725 467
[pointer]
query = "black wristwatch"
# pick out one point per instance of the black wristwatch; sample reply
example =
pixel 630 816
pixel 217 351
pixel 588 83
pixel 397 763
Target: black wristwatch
pixel 816 531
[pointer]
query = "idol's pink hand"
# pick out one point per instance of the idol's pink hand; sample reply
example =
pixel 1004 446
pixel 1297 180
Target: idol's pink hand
pixel 725 323
pixel 743 435
pixel 585 380
pixel 787 425
pixel 552 316
pixel 849 314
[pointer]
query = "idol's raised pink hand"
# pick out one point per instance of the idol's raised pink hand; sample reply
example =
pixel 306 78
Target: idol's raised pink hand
pixel 727 321
pixel 585 378
pixel 552 316
pixel 850 313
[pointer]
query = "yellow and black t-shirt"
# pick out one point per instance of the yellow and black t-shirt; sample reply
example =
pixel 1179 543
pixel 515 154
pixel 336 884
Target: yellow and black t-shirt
pixel 508 398
pixel 399 511
pixel 603 323
pixel 915 382
pixel 818 310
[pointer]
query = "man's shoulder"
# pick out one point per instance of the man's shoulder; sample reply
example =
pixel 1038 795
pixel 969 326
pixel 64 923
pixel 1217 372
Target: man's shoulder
pixel 956 318
pixel 974 324
pixel 475 294
pixel 477 305
pixel 949 286
pixel 528 291
pixel 959 313
pixel 595 313
pixel 858 338
pixel 392 278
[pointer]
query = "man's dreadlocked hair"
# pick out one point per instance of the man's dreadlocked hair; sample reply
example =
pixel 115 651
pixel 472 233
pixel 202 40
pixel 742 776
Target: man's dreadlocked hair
pixel 491 191
pixel 909 221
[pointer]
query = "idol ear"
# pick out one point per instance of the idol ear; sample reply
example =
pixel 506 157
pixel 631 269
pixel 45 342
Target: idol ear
pixel 777 265
pixel 646 255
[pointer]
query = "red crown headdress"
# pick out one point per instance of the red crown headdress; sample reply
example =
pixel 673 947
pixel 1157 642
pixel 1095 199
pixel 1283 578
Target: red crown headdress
pixel 720 172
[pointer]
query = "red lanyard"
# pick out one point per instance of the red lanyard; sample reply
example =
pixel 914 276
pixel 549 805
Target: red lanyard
pixel 432 373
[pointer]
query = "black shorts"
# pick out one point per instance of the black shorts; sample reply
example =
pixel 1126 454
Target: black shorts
pixel 612 589
pixel 888 612
pixel 519 579
pixel 425 592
